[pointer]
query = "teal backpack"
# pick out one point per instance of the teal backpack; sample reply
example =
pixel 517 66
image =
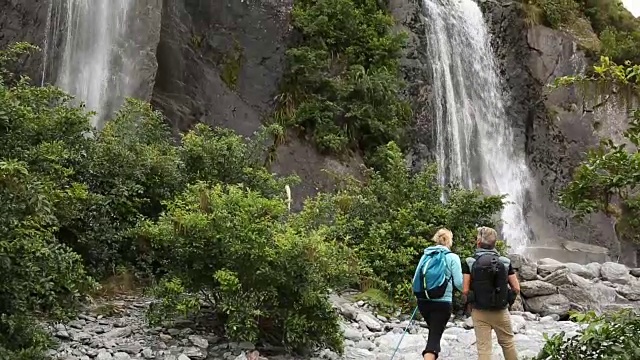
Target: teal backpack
pixel 429 280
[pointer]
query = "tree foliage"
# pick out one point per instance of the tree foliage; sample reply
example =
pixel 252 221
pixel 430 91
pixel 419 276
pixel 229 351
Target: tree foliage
pixel 343 84
pixel 266 280
pixel 390 216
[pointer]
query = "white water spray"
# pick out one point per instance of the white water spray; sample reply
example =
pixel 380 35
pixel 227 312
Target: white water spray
pixel 92 63
pixel 475 142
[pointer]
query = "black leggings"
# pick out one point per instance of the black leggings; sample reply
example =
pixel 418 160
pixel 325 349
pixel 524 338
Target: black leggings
pixel 437 315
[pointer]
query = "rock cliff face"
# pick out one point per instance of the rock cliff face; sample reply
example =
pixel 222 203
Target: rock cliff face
pixel 558 126
pixel 25 21
pixel 220 63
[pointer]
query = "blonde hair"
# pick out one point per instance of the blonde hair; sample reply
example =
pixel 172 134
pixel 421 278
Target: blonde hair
pixel 443 237
pixel 487 237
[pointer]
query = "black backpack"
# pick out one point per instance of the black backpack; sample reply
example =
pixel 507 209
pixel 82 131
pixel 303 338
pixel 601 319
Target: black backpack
pixel 489 282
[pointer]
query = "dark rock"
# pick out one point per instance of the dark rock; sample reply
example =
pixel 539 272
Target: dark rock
pixel 535 288
pixel 557 304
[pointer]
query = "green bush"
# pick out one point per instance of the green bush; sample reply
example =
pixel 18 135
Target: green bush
pixel 266 281
pixel 40 277
pixel 620 45
pixel 390 216
pixel 343 84
pixel 559 12
pixel 610 337
pixel 221 156
pixel 130 167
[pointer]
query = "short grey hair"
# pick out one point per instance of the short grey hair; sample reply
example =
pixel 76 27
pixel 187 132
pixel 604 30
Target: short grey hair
pixel 487 237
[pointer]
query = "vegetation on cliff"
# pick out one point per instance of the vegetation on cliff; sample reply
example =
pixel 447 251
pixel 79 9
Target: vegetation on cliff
pixel 203 219
pixel 343 86
pixel 616 28
pixel 609 178
pixel 607 181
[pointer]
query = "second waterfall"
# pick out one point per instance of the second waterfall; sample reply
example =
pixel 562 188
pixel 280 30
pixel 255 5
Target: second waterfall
pixel 87 52
pixel 475 142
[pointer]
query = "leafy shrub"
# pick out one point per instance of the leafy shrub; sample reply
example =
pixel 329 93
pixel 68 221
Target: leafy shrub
pixel 389 218
pixel 221 156
pixel 343 83
pixel 265 280
pixel 610 337
pixel 620 45
pixel 130 167
pixel 559 12
pixel 40 276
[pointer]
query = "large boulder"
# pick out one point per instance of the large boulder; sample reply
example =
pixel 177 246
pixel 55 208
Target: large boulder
pixel 616 273
pixel 547 266
pixel 535 288
pixel 556 304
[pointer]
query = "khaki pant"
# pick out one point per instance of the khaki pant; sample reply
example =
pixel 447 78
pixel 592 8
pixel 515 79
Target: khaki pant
pixel 500 321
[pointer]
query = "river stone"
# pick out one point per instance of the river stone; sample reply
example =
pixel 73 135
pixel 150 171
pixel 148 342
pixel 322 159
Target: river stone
pixel 595 268
pixel 410 343
pixel 104 355
pixel 616 273
pixel 549 304
pixel 369 321
pixel 529 271
pixel 357 354
pixel 350 333
pixel 580 270
pixel 535 288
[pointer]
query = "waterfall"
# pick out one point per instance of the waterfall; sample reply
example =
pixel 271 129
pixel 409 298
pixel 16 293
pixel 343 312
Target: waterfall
pixel 475 141
pixel 88 48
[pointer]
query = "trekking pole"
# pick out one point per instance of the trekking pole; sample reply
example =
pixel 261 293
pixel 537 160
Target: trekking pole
pixel 405 332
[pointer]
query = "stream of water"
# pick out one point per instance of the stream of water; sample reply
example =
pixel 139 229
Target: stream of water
pixel 475 142
pixel 91 61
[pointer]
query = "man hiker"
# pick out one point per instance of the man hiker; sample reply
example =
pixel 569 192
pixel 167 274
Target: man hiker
pixel 437 273
pixel 491 286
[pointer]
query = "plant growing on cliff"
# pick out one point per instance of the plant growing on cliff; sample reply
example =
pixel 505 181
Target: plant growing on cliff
pixel 616 28
pixel 608 180
pixel 343 86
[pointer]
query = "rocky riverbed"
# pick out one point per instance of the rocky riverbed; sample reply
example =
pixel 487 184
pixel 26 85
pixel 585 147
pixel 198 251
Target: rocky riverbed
pixel 551 287
pixel 123 334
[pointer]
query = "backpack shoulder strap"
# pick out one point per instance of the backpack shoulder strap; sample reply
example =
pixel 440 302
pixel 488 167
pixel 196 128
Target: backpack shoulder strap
pixel 470 261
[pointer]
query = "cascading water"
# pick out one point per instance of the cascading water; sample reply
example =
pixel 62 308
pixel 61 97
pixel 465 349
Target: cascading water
pixel 92 61
pixel 475 142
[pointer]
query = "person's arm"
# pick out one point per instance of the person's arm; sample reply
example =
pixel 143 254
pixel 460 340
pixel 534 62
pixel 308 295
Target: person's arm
pixel 513 281
pixel 456 271
pixel 466 279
